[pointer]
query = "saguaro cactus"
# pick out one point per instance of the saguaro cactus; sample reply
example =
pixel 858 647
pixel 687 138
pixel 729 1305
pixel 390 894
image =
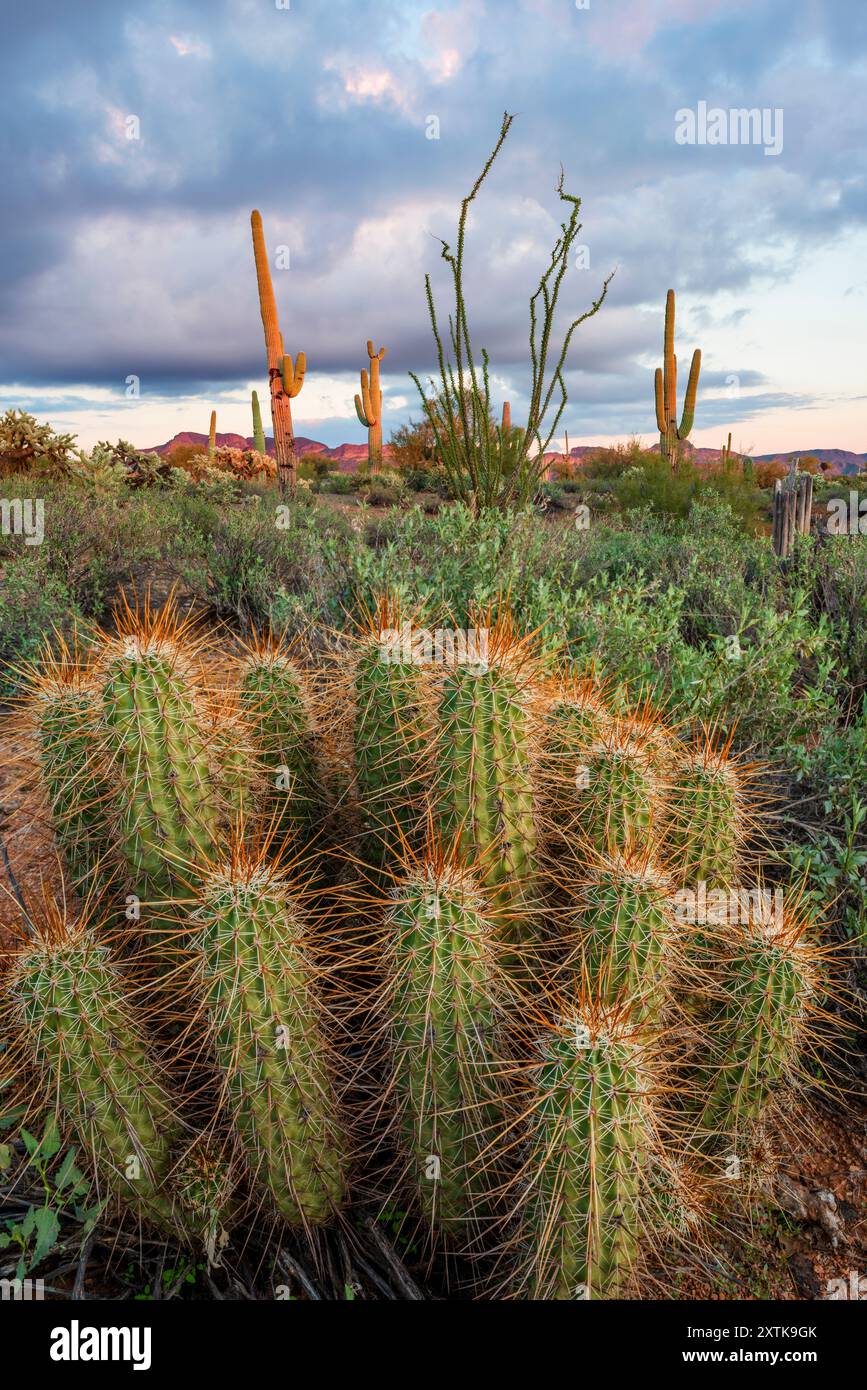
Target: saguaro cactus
pixel 212 434
pixel 670 433
pixel 725 455
pixel 258 431
pixel 507 418
pixel 285 380
pixel 368 407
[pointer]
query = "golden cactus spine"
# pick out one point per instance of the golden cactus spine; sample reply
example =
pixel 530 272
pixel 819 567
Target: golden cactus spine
pixel 672 434
pixel 285 379
pixel 368 406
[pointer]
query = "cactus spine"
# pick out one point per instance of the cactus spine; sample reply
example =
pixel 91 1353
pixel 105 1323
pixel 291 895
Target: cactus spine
pixel 285 381
pixel 391 733
pixel 590 1141
pixel 64 704
pixel 70 1009
pixel 706 816
pixel 258 430
pixel 368 407
pixel 766 979
pixel 166 807
pixel 441 979
pixel 257 983
pixel 671 435
pixel 484 790
pixel 212 434
pixel 274 697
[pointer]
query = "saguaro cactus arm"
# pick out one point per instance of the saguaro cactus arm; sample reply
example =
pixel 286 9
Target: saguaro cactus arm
pixel 365 409
pixel 293 376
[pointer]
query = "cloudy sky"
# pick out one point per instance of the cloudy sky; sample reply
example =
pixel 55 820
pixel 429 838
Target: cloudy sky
pixel 130 257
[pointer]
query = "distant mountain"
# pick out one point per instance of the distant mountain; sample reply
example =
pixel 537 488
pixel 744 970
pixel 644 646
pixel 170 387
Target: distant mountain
pixel 348 456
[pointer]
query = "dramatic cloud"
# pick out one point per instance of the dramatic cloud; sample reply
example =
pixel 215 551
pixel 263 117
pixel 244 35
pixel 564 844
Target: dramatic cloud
pixel 136 140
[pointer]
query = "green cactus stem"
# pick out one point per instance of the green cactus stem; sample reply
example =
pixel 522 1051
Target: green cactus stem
pixel 671 435
pixel 258 428
pixel 257 983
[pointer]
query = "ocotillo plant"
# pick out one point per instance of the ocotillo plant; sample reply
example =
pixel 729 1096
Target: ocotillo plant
pixel 212 434
pixel 368 407
pixel 258 431
pixel 459 414
pixel 671 435
pixel 285 381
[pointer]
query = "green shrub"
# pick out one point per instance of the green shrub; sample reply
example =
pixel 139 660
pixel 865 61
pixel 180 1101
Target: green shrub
pixel 33 602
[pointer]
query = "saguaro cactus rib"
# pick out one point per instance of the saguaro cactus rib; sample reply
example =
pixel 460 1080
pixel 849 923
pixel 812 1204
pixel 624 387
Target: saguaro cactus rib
pixel 665 383
pixel 281 408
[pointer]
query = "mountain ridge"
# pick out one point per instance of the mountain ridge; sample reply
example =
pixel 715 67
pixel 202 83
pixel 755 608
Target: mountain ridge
pixel 348 456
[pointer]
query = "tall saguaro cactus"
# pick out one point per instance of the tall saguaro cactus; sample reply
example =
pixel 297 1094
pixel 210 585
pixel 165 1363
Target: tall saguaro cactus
pixel 285 379
pixel 258 430
pixel 368 407
pixel 212 434
pixel 670 433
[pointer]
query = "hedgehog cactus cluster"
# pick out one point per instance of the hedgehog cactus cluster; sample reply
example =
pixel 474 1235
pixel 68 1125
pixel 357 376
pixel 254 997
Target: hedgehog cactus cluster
pixel 426 919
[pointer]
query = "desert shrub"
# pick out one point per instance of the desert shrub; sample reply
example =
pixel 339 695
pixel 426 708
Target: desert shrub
pixel 93 544
pixel 27 446
pixel 246 566
pixel 33 602
pixel 766 474
pixel 829 823
pixel 182 455
pixel 312 466
pixel 339 484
